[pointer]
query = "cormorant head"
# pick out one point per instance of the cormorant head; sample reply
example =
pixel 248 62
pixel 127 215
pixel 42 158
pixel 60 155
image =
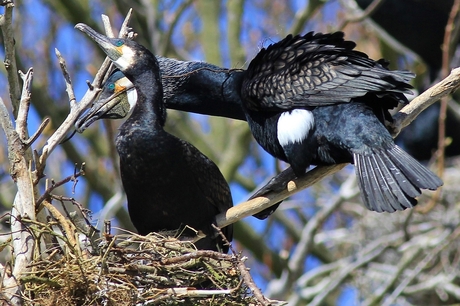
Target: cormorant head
pixel 127 55
pixel 116 100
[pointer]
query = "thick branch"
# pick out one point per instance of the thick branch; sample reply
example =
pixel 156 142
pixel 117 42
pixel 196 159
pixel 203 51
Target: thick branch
pixel 258 204
pixel 6 22
pixel 408 114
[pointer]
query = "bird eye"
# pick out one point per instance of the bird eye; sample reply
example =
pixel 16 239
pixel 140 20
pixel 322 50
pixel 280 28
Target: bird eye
pixel 119 43
pixel 111 86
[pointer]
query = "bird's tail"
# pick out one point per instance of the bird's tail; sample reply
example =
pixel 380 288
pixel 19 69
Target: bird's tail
pixel 390 179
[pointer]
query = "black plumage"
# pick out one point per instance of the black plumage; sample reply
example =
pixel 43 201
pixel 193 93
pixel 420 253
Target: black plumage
pixel 114 102
pixel 313 100
pixel 168 182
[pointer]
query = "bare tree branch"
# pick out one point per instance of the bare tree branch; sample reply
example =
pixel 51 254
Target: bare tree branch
pixel 6 22
pixel 76 109
pixel 408 113
pixel 421 265
pixel 21 122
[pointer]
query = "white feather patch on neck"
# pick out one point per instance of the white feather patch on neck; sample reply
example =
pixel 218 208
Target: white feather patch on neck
pixel 132 100
pixel 294 126
pixel 126 59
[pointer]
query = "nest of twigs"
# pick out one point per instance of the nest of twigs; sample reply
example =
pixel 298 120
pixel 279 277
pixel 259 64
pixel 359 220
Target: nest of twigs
pixel 130 269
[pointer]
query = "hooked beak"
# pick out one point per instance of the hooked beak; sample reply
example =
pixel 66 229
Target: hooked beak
pixel 107 44
pixel 102 109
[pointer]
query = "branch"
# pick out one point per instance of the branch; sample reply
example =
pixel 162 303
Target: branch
pixel 6 22
pixel 420 266
pixel 23 242
pixel 343 274
pixel 271 197
pixel 53 186
pixel 76 109
pixel 366 13
pixel 24 105
pixel 408 113
pixel 306 241
pixel 68 82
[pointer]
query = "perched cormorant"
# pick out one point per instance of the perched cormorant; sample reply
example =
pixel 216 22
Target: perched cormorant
pixel 313 100
pixel 168 182
pixel 115 101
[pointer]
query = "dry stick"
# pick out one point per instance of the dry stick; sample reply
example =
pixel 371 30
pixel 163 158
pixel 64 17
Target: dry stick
pixel 69 232
pixel 247 278
pixel 250 282
pixel 48 190
pixel 68 81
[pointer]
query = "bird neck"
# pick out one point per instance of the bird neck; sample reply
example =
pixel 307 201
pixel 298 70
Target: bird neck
pixel 149 108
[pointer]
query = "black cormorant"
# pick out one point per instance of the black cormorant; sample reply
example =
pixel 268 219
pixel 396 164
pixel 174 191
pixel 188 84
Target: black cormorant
pixel 168 182
pixel 115 101
pixel 313 100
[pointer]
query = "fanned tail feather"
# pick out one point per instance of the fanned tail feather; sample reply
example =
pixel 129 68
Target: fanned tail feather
pixel 390 179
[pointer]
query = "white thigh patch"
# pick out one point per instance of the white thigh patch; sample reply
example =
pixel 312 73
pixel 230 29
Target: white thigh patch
pixel 294 126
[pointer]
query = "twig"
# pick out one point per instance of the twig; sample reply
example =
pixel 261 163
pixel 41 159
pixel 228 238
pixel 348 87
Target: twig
pixel 24 105
pixel 195 255
pixel 250 282
pixel 336 280
pixel 66 225
pixel 366 13
pixel 38 132
pixel 247 278
pixel 6 22
pixel 420 266
pixel 48 190
pixel 107 26
pixel 68 81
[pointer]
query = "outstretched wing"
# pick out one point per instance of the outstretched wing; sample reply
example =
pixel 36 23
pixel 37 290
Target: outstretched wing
pixel 317 70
